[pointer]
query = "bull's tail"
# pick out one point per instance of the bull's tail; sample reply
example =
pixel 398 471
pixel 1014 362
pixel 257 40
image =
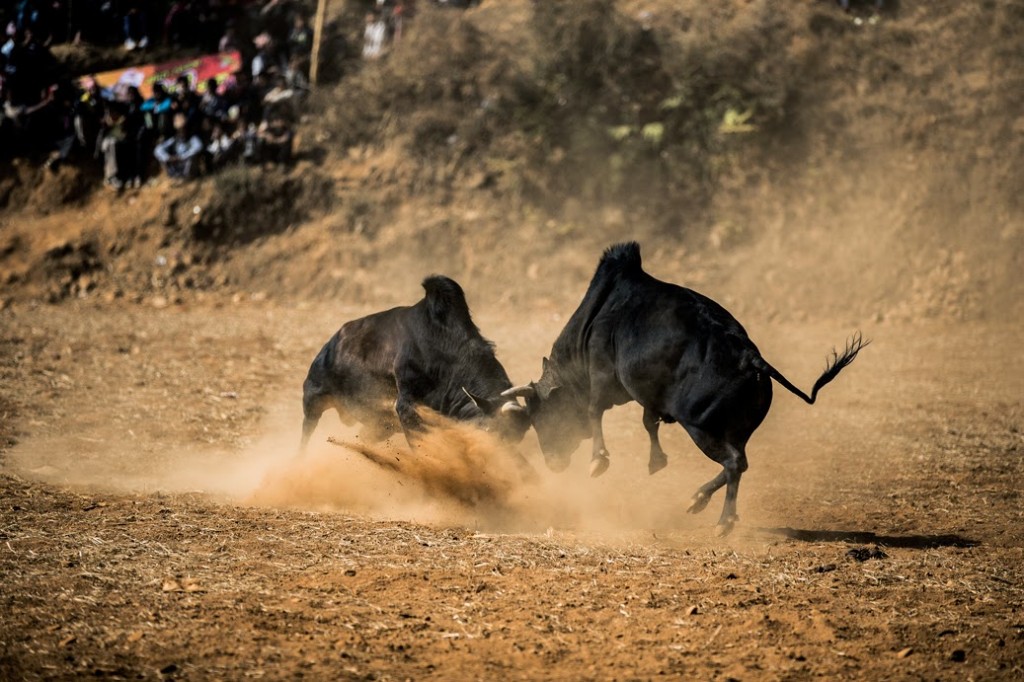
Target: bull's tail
pixel 836 363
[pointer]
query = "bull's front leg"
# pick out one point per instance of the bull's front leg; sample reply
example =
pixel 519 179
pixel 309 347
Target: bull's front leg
pixel 408 417
pixel 409 381
pixel 605 393
pixel 599 458
pixel 658 459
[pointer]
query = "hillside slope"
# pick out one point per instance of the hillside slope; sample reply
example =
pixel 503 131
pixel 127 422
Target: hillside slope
pixel 786 158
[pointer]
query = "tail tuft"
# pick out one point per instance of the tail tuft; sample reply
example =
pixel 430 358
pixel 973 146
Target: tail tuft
pixel 835 364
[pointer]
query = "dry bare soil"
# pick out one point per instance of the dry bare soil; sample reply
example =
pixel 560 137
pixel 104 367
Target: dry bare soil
pixel 154 522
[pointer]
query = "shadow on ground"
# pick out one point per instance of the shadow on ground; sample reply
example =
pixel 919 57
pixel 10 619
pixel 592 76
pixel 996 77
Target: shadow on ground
pixel 867 537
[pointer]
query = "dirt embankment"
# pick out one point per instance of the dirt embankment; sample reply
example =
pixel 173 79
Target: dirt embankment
pixel 788 158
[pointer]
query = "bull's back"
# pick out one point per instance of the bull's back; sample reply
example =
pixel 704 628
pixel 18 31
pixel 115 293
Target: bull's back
pixel 372 342
pixel 655 319
pixel 680 353
pixel 358 359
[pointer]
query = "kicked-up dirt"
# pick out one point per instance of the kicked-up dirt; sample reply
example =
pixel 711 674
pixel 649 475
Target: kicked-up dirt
pixel 155 522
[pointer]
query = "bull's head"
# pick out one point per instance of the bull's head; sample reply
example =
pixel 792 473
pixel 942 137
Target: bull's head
pixel 556 414
pixel 503 416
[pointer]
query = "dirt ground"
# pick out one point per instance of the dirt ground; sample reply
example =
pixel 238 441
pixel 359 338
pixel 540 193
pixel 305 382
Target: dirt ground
pixel 155 523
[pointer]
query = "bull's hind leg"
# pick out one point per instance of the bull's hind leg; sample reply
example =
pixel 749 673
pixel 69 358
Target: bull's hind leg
pixel 703 495
pixel 658 459
pixel 734 463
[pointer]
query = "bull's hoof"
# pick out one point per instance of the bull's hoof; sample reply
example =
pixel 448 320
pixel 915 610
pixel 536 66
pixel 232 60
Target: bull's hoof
pixel 656 464
pixel 697 504
pixel 725 526
pixel 598 465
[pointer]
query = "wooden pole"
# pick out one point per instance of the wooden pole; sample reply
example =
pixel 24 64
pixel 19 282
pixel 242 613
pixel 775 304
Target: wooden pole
pixel 318 29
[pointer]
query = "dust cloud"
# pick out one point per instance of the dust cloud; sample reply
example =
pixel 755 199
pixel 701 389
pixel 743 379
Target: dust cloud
pixel 452 468
pixel 457 475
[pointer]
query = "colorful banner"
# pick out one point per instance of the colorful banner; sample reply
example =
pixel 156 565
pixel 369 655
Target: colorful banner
pixel 198 69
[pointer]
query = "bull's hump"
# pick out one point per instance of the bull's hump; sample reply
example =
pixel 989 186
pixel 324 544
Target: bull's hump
pixel 444 288
pixel 625 255
pixel 445 303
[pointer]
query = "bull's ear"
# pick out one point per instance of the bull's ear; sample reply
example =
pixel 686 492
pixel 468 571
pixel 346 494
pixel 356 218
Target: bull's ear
pixel 544 365
pixel 486 406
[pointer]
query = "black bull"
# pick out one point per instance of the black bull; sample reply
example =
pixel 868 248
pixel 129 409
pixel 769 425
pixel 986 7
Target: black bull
pixel 377 369
pixel 679 354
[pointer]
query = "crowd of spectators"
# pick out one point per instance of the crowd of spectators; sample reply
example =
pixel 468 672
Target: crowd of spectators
pixel 138 24
pixel 187 131
pixel 185 128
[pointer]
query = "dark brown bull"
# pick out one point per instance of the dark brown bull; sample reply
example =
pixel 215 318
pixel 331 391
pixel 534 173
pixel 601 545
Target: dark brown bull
pixel 377 369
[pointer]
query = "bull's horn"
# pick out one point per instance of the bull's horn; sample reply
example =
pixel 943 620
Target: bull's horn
pixel 524 391
pixel 512 406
